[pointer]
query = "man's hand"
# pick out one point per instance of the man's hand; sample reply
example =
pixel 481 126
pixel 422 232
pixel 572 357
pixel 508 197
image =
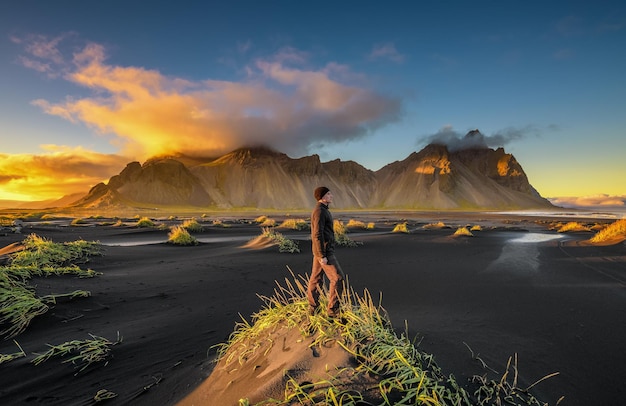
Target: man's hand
pixel 323 261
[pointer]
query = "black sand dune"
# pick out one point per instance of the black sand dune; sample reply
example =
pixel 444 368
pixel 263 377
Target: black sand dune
pixel 557 304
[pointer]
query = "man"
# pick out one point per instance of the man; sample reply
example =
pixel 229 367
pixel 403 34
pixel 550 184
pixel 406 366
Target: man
pixel 324 260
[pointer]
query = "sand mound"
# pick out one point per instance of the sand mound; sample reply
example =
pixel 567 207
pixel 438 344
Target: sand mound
pixel 280 355
pixel 260 242
pixel 8 250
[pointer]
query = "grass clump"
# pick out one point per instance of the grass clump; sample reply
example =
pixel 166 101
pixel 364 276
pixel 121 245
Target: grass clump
pixel 284 243
pixel 389 368
pixel 463 231
pixel 144 222
pixel 572 226
pixel 179 235
pixel 78 222
pixel 437 225
pixel 268 223
pixel 42 253
pixel 616 230
pixel 19 304
pixel 352 223
pixel 476 227
pixel 341 235
pixel 400 228
pixel 295 224
pixel 192 225
pixel 83 353
pixel 220 223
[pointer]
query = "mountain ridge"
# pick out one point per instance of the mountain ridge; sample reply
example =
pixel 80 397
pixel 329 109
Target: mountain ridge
pixel 436 177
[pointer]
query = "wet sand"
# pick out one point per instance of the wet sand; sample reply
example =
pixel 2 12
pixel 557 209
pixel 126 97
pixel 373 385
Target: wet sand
pixel 516 287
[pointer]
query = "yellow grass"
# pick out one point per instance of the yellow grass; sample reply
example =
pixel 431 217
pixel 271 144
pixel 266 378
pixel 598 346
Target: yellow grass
pixel 400 228
pixel 352 223
pixel 78 221
pixel 616 230
pixel 192 225
pixel 572 226
pixel 144 222
pixel 438 224
pixel 476 228
pixel 179 235
pixel 295 224
pixel 463 231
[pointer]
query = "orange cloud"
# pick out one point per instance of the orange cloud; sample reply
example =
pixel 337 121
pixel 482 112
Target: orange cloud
pixel 59 171
pixel 284 107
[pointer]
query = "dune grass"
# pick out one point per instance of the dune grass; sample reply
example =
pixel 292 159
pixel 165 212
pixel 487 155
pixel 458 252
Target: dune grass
pixel 295 224
pixel 476 227
pixel 572 226
pixel 82 353
pixel 437 225
pixel 284 243
pixel 192 225
pixel 400 228
pixel 19 304
pixel 396 371
pixel 352 223
pixel 612 231
pixel 179 235
pixel 144 222
pixel 341 235
pixel 463 231
pixel 79 221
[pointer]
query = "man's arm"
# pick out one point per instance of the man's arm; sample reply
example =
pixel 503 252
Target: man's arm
pixel 317 233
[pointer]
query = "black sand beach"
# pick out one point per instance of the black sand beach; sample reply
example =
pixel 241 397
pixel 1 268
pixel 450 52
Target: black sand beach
pixel 516 287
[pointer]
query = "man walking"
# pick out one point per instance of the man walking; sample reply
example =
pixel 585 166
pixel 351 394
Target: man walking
pixel 324 260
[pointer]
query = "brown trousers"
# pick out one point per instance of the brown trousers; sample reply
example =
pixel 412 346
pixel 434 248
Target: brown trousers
pixel 335 276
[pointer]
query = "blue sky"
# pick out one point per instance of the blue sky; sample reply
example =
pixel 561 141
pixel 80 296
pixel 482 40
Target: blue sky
pixel 86 87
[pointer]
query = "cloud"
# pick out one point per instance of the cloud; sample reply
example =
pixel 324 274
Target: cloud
pixel 282 103
pixel 58 171
pixel 386 51
pixel 455 141
pixel 600 200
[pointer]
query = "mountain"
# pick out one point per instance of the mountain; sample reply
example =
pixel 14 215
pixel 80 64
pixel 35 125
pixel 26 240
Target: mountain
pixel 433 178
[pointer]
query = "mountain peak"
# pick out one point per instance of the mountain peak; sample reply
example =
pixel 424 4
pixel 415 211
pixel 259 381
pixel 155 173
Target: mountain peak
pixel 437 177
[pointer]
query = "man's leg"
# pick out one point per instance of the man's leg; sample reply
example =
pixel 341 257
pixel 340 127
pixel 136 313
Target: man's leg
pixel 335 275
pixel 315 280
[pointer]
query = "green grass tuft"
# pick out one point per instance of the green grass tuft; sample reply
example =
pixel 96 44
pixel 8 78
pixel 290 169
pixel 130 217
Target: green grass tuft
pixel 144 222
pixel 341 235
pixel 284 243
pixel 82 353
pixel 179 235
pixel 192 225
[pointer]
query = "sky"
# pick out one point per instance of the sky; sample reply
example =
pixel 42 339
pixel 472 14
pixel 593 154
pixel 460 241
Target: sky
pixel 89 86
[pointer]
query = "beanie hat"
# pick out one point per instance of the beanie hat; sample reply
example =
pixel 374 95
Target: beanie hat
pixel 320 192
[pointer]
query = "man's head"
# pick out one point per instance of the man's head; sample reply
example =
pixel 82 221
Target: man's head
pixel 322 194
